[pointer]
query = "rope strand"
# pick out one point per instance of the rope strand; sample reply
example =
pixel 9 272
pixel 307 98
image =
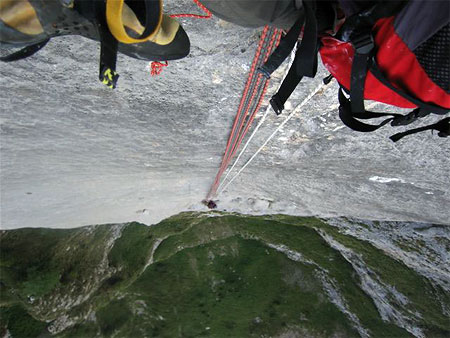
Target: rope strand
pixel 260 123
pixel 263 118
pixel 297 109
pixel 255 88
pixel 250 78
pixel 207 15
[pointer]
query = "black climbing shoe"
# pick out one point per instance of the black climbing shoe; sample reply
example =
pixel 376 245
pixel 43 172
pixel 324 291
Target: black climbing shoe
pixel 136 28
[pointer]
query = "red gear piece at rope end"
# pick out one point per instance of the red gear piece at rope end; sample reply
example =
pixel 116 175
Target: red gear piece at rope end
pixel 156 67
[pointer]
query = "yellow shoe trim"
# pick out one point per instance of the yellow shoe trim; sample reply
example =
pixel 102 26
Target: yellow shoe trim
pixel 131 21
pixel 164 36
pixel 20 15
pixel 167 31
pixel 114 15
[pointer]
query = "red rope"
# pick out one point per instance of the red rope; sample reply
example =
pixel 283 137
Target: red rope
pixel 276 36
pixel 246 89
pixel 241 136
pixel 231 149
pixel 230 153
pixel 226 158
pixel 155 66
pixel 207 15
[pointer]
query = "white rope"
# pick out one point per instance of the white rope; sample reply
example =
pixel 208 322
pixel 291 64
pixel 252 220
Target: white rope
pixel 296 109
pixel 261 121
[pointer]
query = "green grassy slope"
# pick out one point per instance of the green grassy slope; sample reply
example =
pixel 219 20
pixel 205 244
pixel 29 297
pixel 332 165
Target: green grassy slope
pixel 194 275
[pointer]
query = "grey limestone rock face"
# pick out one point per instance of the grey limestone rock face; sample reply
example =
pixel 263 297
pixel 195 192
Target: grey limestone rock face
pixel 75 153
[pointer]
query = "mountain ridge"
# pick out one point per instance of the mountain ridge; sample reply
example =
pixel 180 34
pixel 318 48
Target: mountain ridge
pixel 236 275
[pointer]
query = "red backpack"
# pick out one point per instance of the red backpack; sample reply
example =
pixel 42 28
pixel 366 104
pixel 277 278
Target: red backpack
pixel 395 52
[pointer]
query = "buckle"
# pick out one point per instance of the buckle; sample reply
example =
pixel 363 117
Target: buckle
pixel 363 42
pixel 276 104
pixel 327 79
pixel 109 77
pixel 264 72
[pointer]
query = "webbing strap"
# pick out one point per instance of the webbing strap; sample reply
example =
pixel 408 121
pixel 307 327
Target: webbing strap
pixel 108 48
pixel 442 126
pixel 363 49
pixel 285 47
pixel 349 118
pixel 108 58
pixel 358 30
pixel 153 19
pixel 307 52
pixel 24 52
pixel 348 114
pixel 305 62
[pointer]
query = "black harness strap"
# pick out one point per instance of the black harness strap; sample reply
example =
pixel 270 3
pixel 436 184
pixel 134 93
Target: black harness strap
pixel 289 84
pixel 349 118
pixel 286 45
pixel 442 126
pixel 287 87
pixel 108 47
pixel 358 31
pixel 24 52
pixel 363 45
pixel 305 62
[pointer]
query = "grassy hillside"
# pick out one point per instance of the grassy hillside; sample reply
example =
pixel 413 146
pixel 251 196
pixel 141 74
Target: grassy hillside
pixel 196 275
